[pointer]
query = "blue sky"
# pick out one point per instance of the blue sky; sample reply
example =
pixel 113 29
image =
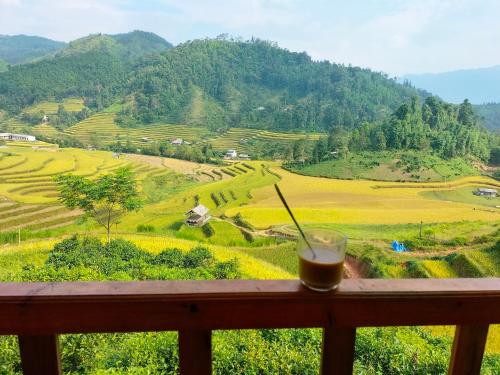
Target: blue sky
pixel 394 36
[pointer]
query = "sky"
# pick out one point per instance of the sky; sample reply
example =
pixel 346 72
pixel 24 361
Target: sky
pixel 393 36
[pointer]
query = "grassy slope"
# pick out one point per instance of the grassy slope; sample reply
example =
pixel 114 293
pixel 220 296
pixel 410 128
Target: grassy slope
pixel 463 195
pixel 387 166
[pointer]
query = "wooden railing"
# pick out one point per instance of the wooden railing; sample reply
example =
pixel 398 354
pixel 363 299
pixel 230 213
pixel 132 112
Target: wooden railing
pixel 38 312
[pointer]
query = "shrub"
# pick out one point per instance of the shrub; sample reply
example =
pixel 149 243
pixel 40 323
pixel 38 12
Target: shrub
pixel 145 228
pixel 240 169
pixel 198 257
pixel 208 230
pixel 248 236
pixel 215 199
pixel 223 197
pixel 238 220
pixel 173 258
pixel 228 172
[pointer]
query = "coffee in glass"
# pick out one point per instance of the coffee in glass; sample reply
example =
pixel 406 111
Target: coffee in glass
pixel 321 266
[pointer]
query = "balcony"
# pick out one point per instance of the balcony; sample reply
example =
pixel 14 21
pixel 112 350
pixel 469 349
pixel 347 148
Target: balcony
pixel 38 312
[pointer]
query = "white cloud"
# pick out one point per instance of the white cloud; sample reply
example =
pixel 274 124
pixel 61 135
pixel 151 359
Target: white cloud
pixel 397 36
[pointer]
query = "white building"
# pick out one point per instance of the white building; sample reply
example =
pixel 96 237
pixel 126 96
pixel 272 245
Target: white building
pixel 177 142
pixel 231 154
pixel 484 192
pixel 197 216
pixel 244 157
pixel 17 137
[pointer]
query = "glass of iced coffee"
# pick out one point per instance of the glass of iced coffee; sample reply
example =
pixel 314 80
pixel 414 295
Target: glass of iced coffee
pixel 321 259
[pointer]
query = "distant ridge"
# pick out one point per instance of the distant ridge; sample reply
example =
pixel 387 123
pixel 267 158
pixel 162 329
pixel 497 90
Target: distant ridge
pixel 18 49
pixel 478 85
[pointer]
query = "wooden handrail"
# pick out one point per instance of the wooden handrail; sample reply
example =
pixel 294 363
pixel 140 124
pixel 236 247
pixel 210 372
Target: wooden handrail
pixel 39 311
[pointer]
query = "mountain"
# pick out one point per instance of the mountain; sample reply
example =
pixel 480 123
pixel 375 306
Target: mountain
pixel 130 45
pixel 478 85
pixel 140 43
pixel 94 67
pixel 215 83
pixel 3 66
pixel 490 114
pixel 18 49
pixel 224 83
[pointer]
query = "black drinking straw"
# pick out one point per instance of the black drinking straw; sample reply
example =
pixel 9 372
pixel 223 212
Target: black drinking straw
pixel 293 218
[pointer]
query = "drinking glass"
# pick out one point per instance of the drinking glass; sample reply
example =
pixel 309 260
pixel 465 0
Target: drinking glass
pixel 321 266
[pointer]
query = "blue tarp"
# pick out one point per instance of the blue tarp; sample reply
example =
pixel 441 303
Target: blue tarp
pixel 398 247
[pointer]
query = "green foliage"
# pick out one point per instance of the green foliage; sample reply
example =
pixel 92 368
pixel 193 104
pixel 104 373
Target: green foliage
pixel 208 230
pixel 317 95
pixel 88 259
pixel 145 228
pixel 18 49
pixel 104 198
pixel 490 114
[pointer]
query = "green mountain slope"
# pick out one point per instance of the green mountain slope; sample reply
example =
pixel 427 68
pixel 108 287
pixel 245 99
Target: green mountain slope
pixel 257 84
pixel 129 46
pixel 490 113
pixel 94 67
pixel 140 43
pixel 18 49
pixel 214 83
pixel 3 66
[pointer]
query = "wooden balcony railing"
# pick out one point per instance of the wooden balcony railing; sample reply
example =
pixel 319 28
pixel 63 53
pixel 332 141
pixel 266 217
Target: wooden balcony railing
pixel 38 312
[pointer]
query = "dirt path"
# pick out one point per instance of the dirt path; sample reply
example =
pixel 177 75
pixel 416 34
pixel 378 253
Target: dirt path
pixel 353 269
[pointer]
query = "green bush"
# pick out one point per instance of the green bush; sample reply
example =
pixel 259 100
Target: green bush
pixel 215 199
pixel 208 230
pixel 89 259
pixel 145 228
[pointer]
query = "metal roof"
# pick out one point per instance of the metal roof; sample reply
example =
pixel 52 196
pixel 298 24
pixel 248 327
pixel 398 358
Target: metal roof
pixel 200 210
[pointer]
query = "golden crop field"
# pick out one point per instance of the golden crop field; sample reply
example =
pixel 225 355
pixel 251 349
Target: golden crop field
pixel 28 192
pixel 322 200
pixel 50 107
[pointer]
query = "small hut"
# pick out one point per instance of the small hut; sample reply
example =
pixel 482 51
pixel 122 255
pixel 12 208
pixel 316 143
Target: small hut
pixel 484 192
pixel 197 216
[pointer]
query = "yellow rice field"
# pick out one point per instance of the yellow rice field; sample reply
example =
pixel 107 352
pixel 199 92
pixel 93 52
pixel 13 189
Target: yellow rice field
pixel 322 200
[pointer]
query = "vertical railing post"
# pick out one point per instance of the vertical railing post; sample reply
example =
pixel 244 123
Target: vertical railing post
pixel 468 349
pixel 40 355
pixel 338 350
pixel 195 352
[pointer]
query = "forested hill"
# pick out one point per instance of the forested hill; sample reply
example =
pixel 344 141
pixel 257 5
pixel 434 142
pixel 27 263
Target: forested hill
pixel 18 49
pixel 256 84
pixel 213 82
pixel 95 67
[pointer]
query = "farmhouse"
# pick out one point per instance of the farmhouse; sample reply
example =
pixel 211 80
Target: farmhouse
pixel 17 137
pixel 231 154
pixel 244 157
pixel 484 192
pixel 197 216
pixel 177 142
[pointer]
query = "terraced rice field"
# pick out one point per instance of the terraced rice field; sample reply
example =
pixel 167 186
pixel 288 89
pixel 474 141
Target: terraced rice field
pixel 102 125
pixel 50 107
pixel 321 200
pixel 47 131
pixel 28 192
pixel 241 139
pixel 14 125
pixel 33 217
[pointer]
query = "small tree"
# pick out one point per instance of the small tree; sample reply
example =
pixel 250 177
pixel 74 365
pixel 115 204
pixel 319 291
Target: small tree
pixel 104 198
